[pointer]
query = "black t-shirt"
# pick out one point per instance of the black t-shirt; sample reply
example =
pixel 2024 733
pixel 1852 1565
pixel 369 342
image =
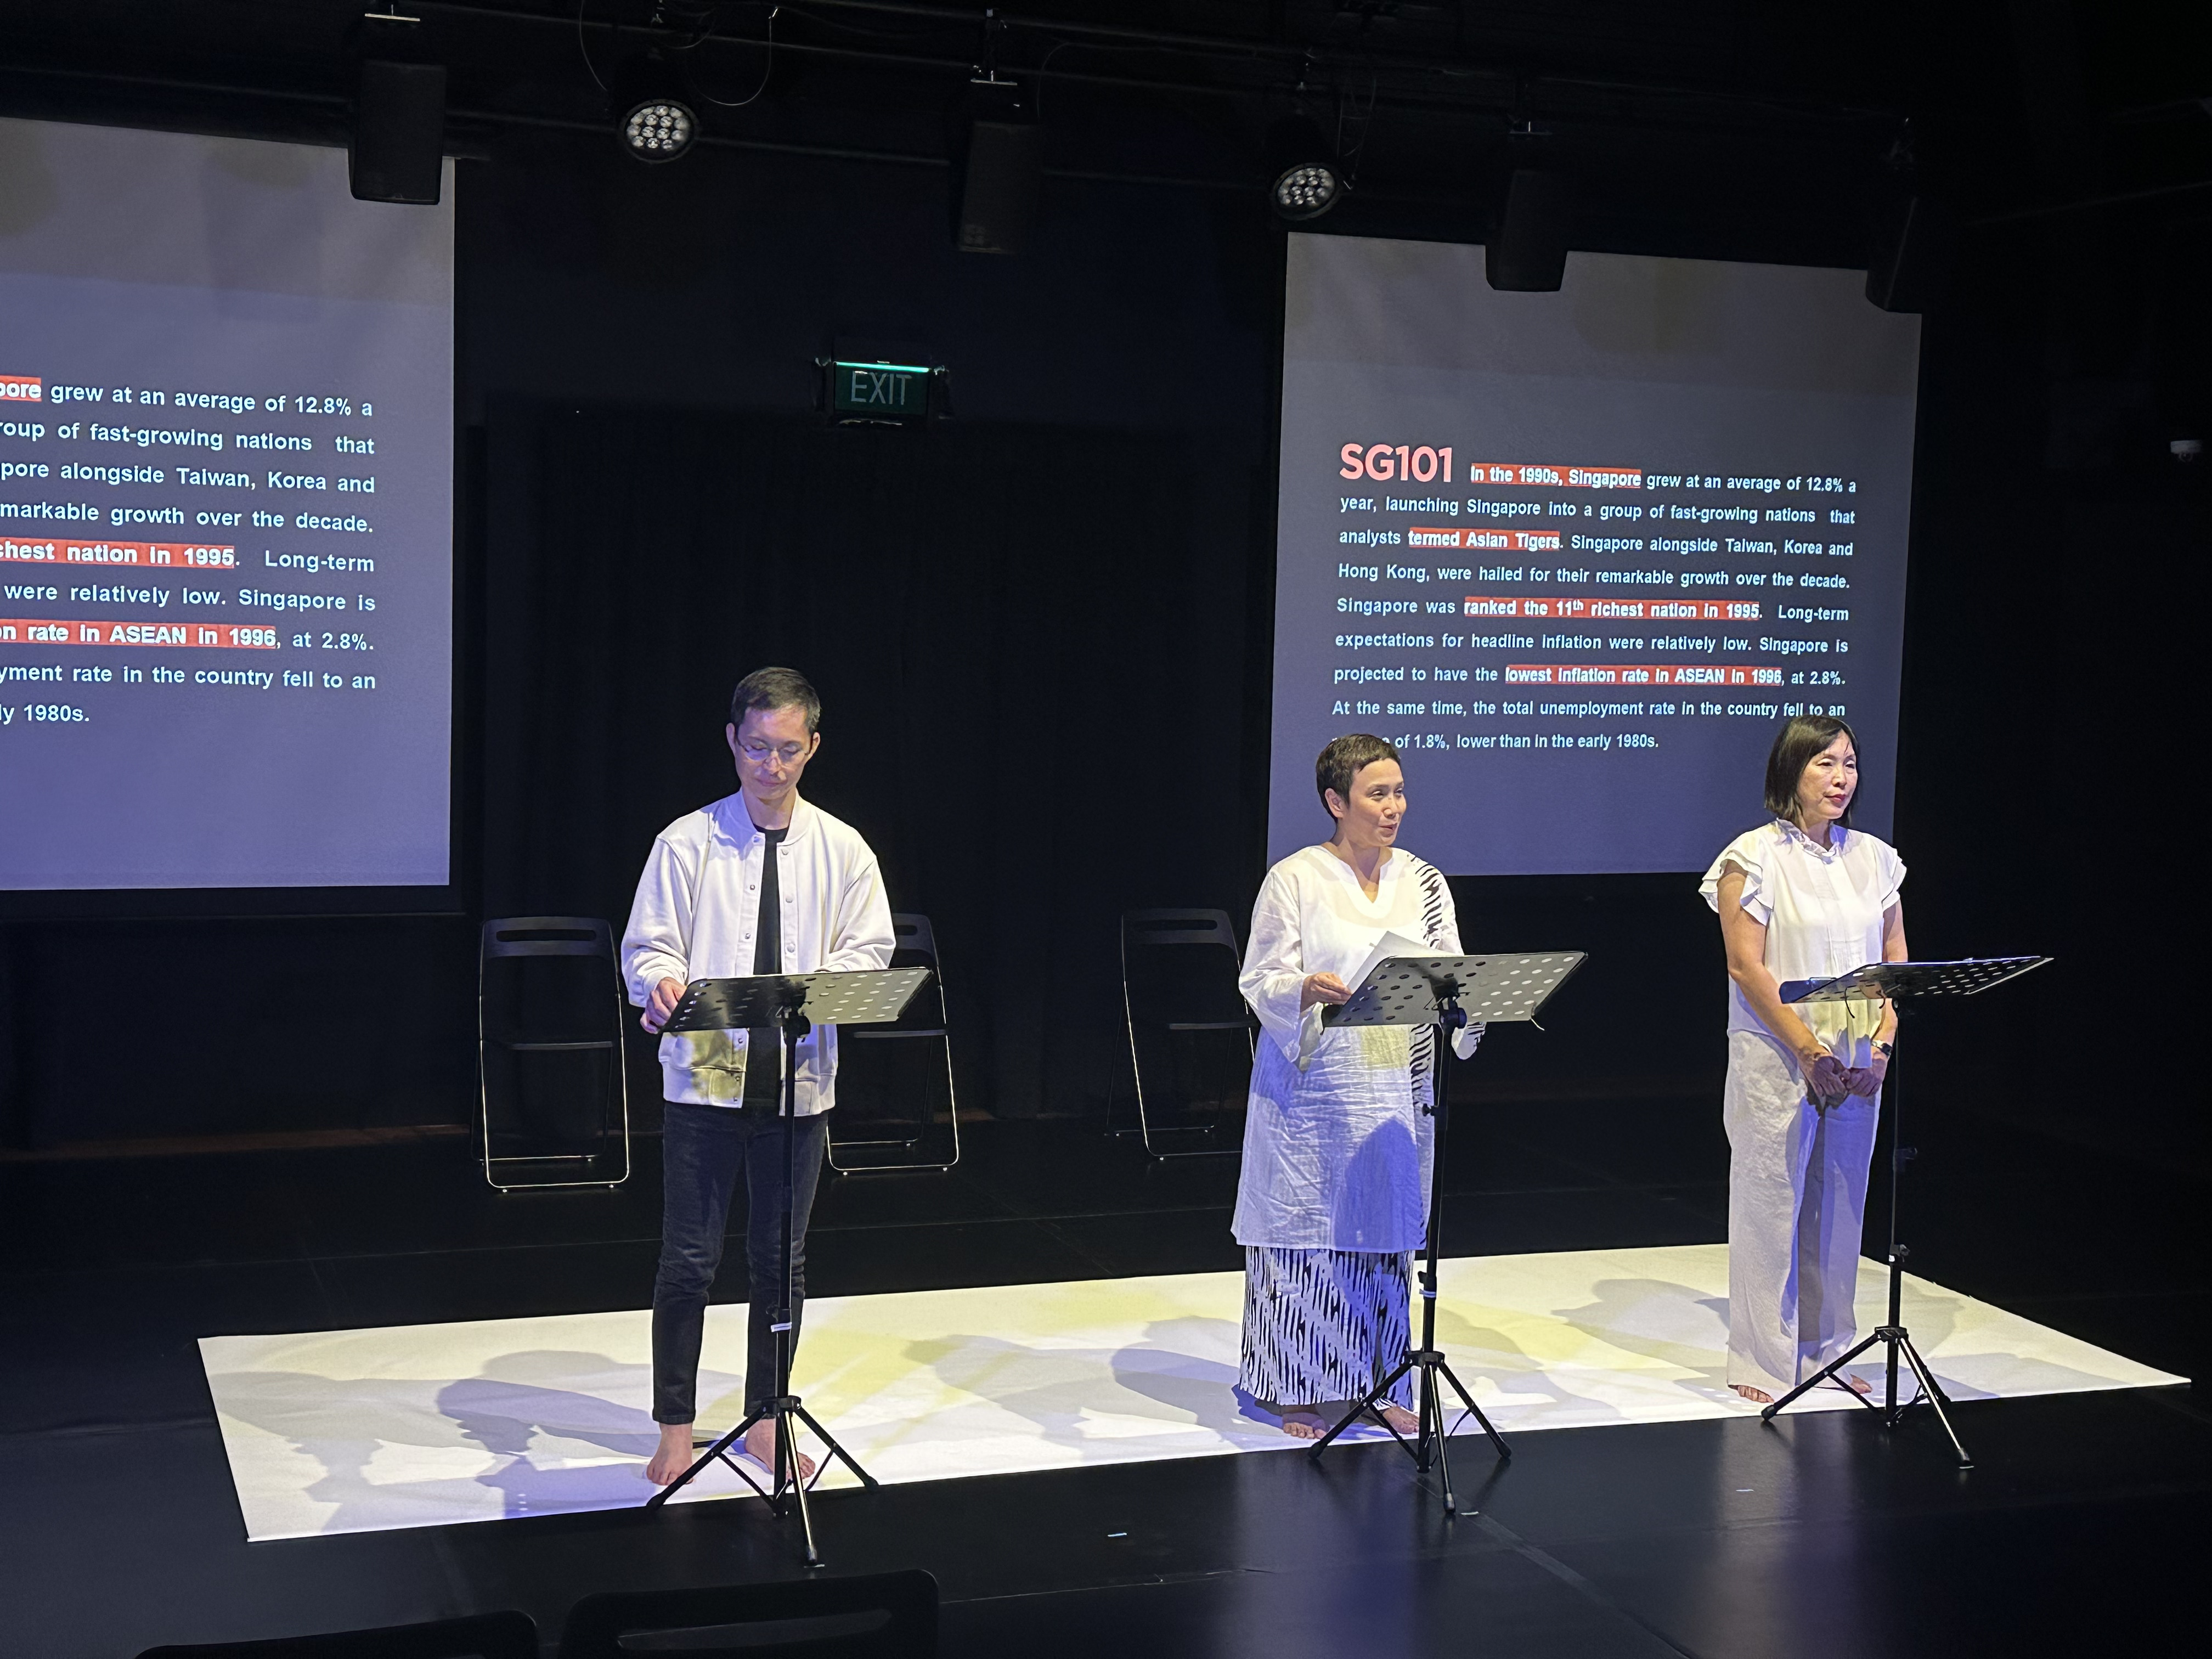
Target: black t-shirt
pixel 764 1044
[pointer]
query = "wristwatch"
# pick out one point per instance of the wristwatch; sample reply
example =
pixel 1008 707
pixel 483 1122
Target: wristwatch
pixel 1888 1050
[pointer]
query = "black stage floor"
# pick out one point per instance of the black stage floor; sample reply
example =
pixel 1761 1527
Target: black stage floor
pixel 2081 1531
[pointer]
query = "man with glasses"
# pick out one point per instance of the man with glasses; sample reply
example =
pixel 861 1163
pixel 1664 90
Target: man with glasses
pixel 760 882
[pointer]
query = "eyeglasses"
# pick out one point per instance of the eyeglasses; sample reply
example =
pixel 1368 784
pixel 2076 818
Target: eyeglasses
pixel 760 754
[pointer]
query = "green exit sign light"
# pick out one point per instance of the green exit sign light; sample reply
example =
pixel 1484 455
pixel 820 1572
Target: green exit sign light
pixel 881 391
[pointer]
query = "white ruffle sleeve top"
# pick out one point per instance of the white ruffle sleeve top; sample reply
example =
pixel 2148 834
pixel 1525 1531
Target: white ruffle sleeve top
pixel 1336 1145
pixel 1822 906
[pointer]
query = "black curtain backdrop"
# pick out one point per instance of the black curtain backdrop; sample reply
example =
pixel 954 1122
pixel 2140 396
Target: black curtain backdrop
pixel 1043 709
pixel 2053 644
pixel 1030 641
pixel 1042 633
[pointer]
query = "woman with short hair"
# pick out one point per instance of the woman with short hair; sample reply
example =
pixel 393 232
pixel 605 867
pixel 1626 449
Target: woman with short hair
pixel 1804 897
pixel 1334 1195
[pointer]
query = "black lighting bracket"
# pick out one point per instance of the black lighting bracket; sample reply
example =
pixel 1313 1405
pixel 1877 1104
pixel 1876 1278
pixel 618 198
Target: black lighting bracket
pixel 986 70
pixel 993 96
pixel 388 32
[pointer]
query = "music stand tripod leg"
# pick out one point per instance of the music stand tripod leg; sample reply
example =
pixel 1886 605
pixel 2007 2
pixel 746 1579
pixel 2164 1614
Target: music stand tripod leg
pixel 1932 1394
pixel 830 1447
pixel 787 1461
pixel 1767 1412
pixel 1432 1423
pixel 1367 1403
pixel 1496 1440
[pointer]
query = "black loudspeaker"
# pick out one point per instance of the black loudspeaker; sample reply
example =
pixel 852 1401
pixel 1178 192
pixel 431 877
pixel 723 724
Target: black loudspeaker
pixel 398 132
pixel 1528 254
pixel 999 181
pixel 1913 242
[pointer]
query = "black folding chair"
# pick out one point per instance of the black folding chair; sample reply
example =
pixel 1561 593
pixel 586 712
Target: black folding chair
pixel 894 1082
pixel 550 1017
pixel 487 1636
pixel 1190 1032
pixel 886 1615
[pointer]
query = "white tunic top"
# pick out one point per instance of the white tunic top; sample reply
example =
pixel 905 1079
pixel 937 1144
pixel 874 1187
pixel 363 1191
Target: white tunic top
pixel 697 912
pixel 1336 1147
pixel 1822 906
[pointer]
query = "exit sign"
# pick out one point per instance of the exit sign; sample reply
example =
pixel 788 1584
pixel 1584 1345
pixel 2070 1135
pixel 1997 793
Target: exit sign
pixel 879 391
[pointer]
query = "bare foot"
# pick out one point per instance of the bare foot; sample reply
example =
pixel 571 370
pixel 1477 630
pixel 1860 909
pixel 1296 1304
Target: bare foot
pixel 1857 1384
pixel 673 1455
pixel 760 1443
pixel 1303 1423
pixel 1402 1419
pixel 1757 1396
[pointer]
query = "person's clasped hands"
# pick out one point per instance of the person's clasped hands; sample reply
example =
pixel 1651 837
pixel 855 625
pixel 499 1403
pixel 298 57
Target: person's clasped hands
pixel 1830 1082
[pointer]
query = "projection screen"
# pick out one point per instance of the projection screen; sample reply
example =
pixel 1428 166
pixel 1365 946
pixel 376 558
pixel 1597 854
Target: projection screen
pixel 225 560
pixel 1579 554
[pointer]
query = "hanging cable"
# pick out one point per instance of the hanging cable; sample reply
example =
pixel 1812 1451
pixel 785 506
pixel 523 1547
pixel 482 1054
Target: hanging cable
pixel 767 68
pixel 585 49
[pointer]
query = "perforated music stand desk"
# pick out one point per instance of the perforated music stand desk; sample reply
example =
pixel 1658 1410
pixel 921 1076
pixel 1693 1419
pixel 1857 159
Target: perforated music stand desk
pixel 1492 989
pixel 1446 993
pixel 791 1003
pixel 874 997
pixel 1903 983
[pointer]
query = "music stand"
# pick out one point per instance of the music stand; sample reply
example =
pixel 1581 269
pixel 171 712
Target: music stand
pixel 1901 982
pixel 1417 991
pixel 791 1003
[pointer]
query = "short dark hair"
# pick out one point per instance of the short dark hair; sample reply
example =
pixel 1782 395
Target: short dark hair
pixel 1801 738
pixel 1341 761
pixel 776 688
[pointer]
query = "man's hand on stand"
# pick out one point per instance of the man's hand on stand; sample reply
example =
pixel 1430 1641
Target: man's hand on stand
pixel 662 1004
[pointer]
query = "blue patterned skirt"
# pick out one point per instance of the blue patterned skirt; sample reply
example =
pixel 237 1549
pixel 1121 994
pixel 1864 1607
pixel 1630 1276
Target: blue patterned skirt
pixel 1323 1326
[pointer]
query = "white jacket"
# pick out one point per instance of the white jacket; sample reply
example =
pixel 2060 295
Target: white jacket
pixel 696 915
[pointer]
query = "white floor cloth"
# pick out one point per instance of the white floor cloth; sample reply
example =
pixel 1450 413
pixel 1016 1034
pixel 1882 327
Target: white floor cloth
pixel 419 1425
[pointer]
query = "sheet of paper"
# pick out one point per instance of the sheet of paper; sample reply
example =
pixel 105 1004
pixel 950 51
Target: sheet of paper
pixel 1388 947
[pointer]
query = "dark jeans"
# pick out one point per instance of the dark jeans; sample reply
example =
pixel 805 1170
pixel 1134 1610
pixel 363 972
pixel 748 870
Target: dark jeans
pixel 701 1150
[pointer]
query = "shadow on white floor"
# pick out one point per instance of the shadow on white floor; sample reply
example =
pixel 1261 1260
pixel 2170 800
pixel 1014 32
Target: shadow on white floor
pixel 425 1425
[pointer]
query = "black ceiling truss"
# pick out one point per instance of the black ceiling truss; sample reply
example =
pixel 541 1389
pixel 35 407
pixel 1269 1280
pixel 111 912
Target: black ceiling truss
pixel 1727 98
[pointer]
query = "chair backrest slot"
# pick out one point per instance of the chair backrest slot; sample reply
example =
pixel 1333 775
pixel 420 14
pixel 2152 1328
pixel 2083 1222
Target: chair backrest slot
pixel 889 1615
pixel 755 1634
pixel 482 1636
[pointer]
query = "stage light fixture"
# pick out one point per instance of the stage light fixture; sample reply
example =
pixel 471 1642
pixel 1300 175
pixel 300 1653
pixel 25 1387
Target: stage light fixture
pixel 1307 183
pixel 1307 190
pixel 659 130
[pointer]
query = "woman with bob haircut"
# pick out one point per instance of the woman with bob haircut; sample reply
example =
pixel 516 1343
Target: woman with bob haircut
pixel 1804 897
pixel 1332 1197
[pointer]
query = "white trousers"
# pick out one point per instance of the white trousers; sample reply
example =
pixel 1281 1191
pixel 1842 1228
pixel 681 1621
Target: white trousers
pixel 1797 1186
